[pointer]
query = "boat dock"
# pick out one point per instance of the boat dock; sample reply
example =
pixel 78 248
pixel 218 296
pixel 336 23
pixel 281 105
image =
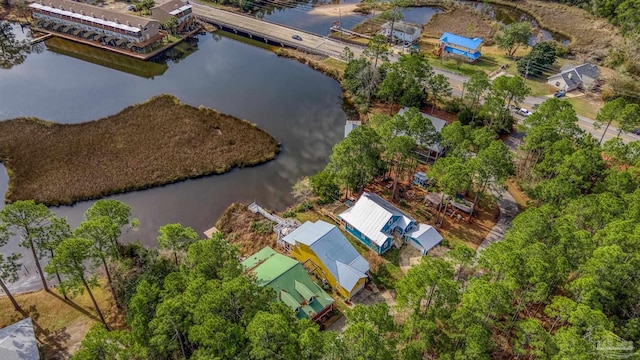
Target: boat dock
pixel 41 38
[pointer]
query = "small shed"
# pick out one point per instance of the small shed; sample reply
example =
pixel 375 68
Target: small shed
pixel 420 179
pixel 423 238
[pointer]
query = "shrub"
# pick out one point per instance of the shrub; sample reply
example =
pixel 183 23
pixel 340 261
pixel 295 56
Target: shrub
pixel 262 227
pixel 465 116
pixel 289 214
pixel 445 243
pixel 454 106
pixel 304 206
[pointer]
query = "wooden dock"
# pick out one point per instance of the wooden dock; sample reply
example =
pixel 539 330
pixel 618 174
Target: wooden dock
pixel 271 32
pixel 144 56
pixel 41 38
pixel 339 29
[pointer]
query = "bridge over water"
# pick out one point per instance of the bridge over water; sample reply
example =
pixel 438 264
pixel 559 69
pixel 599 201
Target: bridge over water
pixel 273 33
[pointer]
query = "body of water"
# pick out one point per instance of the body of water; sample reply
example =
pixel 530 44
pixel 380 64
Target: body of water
pixel 300 107
pixel 301 17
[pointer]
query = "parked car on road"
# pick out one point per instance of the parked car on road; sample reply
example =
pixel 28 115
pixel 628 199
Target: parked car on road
pixel 636 131
pixel 524 112
pixel 559 94
pixel 296 37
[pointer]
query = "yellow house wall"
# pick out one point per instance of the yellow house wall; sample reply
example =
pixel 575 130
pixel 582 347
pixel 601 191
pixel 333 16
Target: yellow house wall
pixel 303 253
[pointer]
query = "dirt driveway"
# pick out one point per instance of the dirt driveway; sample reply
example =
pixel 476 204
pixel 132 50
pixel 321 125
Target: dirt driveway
pixel 408 257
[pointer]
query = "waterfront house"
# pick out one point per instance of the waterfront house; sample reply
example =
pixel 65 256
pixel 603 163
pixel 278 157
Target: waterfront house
pixel 460 46
pixel 96 26
pixel 402 31
pixel 423 238
pixel 18 341
pixel 374 222
pixel 174 9
pixel 292 284
pixel 326 252
pixel 584 76
pixel 429 151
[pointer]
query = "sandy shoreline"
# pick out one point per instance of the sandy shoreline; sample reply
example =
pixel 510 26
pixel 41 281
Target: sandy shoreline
pixel 334 10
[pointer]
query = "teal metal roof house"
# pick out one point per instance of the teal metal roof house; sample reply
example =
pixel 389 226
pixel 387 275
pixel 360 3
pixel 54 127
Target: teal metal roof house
pixel 291 282
pixel 462 46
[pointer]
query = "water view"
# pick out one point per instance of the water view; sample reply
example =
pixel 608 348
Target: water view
pixel 300 107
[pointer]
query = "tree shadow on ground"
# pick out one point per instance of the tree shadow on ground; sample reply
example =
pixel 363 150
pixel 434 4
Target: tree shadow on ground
pixel 51 345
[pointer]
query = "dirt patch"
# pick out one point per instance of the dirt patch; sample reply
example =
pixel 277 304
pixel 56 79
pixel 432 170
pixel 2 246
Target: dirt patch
pixel 235 225
pixel 157 142
pixel 462 21
pixel 61 325
pixel 19 14
pixel 519 196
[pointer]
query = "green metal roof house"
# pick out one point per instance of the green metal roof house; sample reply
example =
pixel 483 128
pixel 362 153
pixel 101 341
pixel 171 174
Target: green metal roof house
pixel 291 282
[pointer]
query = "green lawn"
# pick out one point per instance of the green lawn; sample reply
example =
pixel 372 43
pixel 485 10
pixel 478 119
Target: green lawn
pixel 584 107
pixel 335 64
pixel 387 276
pixel 462 68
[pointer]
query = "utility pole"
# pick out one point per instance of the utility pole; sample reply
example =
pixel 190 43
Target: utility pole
pixel 526 72
pixel 340 21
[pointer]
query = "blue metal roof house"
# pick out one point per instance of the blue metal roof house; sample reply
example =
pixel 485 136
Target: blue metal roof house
pixel 462 46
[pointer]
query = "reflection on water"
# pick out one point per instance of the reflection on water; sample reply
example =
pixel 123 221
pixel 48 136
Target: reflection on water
pixel 146 69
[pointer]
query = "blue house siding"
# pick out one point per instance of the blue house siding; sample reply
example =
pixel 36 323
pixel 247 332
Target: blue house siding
pixel 461 46
pixel 365 240
pixel 388 224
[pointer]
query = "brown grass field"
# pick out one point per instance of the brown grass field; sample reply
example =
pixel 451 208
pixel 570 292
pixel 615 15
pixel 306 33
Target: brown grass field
pixel 460 20
pixel 588 33
pixel 235 224
pixel 154 143
pixel 60 325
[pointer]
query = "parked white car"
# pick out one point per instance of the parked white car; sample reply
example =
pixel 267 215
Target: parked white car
pixel 524 112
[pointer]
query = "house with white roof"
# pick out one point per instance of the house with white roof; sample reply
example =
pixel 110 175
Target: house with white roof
pixel 584 76
pixel 374 221
pixel 326 252
pixel 401 31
